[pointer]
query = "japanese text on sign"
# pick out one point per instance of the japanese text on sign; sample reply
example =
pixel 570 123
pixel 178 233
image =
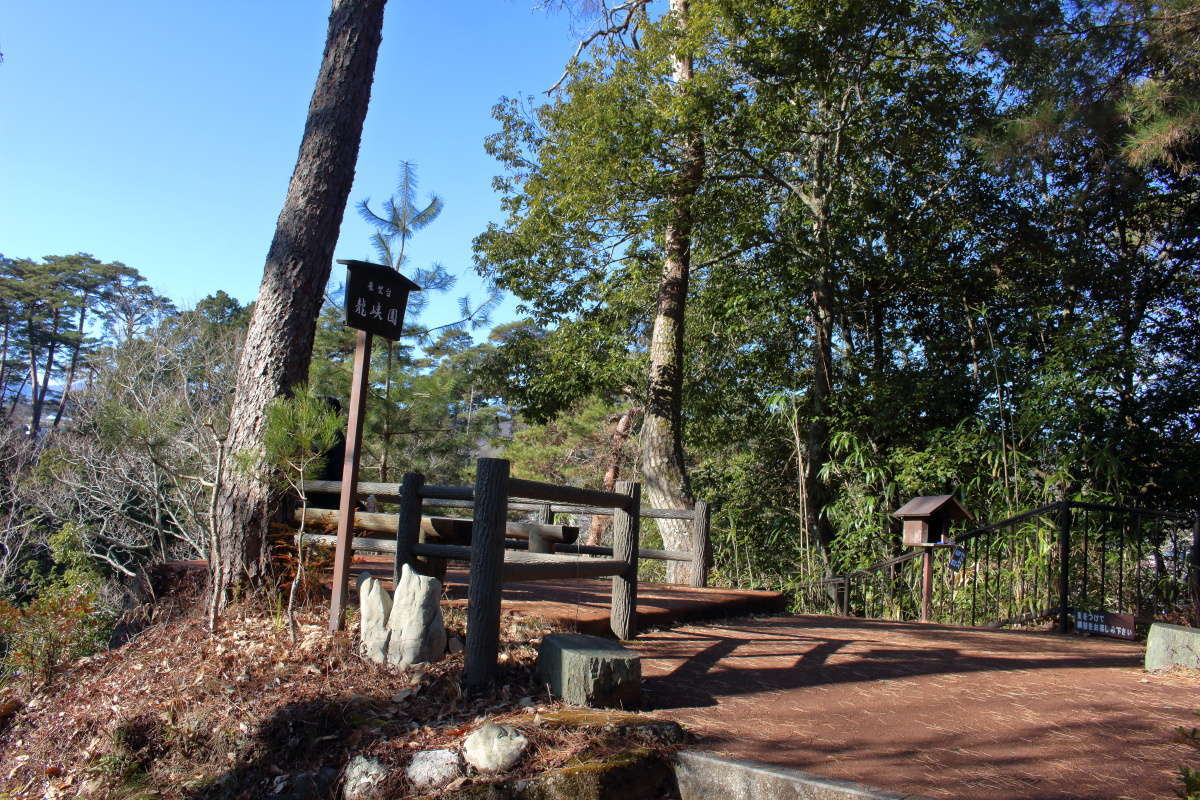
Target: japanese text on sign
pixel 375 298
pixel 1104 623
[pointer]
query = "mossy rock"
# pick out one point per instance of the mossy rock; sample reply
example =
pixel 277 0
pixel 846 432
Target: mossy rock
pixel 635 774
pixel 624 723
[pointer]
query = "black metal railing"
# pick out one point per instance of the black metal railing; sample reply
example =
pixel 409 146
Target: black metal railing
pixel 1133 561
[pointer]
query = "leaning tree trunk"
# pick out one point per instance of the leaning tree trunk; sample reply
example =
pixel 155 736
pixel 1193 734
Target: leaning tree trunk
pixel 612 470
pixel 280 338
pixel 663 468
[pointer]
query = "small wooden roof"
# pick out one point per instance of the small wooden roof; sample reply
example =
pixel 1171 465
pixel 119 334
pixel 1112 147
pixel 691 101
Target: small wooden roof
pixel 933 505
pixel 393 274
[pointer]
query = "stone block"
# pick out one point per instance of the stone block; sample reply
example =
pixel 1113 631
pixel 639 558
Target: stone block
pixel 375 606
pixel 417 630
pixel 590 671
pixel 1172 646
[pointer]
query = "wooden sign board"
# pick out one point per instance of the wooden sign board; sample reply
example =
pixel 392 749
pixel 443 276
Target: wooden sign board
pixel 1105 623
pixel 375 298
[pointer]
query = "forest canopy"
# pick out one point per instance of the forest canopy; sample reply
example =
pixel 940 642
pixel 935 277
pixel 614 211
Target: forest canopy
pixel 931 247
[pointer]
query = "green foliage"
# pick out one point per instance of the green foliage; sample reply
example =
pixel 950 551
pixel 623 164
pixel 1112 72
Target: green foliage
pixel 922 263
pixel 63 620
pixel 1189 777
pixel 571 449
pixel 298 432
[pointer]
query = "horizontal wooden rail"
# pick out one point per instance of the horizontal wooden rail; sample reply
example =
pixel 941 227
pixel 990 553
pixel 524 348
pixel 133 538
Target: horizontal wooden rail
pixel 460 497
pixel 522 566
pixel 441 526
pixel 384 492
pixel 357 543
pixel 643 552
pixel 536 490
pixel 447 492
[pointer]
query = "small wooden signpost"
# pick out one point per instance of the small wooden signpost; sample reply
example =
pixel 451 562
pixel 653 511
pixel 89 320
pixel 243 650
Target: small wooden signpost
pixel 376 296
pixel 926 523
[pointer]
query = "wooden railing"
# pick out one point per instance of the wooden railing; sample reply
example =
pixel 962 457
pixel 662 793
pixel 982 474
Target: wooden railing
pixel 698 555
pixel 502 550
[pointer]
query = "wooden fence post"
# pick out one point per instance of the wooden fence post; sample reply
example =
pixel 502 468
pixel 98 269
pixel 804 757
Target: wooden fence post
pixel 344 550
pixel 626 524
pixel 927 584
pixel 701 545
pixel 1064 567
pixel 487 560
pixel 408 528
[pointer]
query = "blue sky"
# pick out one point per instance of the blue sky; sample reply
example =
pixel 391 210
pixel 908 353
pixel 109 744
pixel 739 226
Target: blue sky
pixel 163 134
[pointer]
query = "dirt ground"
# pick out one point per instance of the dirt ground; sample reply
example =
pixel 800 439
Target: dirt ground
pixel 925 709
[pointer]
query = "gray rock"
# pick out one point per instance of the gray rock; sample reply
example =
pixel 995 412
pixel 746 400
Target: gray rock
pixel 418 633
pixel 495 748
pixel 433 769
pixel 374 608
pixel 590 671
pixel 363 778
pixel 1172 646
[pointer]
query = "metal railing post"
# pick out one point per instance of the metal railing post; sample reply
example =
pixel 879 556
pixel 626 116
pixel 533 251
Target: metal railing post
pixel 1064 567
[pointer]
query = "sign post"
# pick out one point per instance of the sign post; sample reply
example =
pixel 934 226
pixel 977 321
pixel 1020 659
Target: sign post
pixel 375 299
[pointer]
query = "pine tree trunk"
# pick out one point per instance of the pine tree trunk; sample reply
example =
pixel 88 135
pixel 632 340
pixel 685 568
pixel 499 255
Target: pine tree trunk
pixel 663 468
pixel 39 401
pixel 33 379
pixel 280 338
pixel 62 401
pixel 4 363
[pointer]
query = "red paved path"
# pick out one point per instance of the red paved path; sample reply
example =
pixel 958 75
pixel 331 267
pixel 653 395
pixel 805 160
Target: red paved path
pixel 930 710
pixel 924 709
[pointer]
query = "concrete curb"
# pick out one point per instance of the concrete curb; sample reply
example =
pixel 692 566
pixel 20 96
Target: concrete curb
pixel 702 775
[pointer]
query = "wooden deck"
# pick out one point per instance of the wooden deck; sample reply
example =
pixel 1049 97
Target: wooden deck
pixel 582 605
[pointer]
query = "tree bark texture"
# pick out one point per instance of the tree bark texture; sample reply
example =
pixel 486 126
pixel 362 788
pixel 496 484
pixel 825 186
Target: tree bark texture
pixel 663 468
pixel 616 446
pixel 62 400
pixel 280 338
pixel 815 489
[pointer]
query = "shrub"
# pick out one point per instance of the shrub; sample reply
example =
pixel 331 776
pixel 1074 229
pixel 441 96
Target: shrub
pixel 57 626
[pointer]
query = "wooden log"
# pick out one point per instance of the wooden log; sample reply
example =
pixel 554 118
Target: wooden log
pixel 536 490
pixel 701 545
pixel 444 528
pixel 384 492
pixel 487 558
pixel 521 565
pixel 388 493
pixel 408 522
pixel 358 543
pixel 524 565
pixel 448 492
pixel 599 550
pixel 623 616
